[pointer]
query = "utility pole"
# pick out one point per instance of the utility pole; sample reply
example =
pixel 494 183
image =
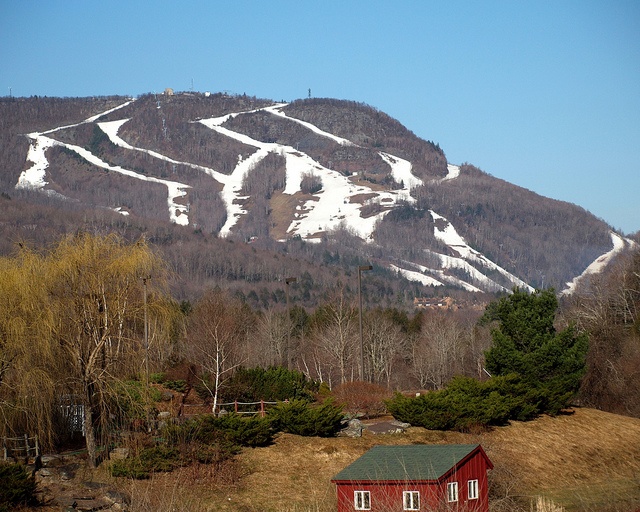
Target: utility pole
pixel 287 282
pixel 361 268
pixel 146 346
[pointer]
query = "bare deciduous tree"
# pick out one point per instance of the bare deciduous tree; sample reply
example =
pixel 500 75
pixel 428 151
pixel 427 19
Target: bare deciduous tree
pixel 269 346
pixel 439 351
pixel 384 341
pixel 336 338
pixel 216 339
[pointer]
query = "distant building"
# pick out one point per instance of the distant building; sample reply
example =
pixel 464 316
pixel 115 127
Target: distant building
pixel 168 91
pixel 434 303
pixel 416 477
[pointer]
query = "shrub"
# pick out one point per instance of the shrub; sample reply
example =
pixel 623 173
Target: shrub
pixel 150 460
pixel 310 183
pixel 179 385
pixel 231 430
pixel 468 403
pixel 156 378
pixel 272 384
pixel 129 468
pixel 17 486
pixel 235 429
pixel 303 419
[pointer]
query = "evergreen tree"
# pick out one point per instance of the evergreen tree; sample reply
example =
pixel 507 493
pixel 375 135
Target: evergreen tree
pixel 526 343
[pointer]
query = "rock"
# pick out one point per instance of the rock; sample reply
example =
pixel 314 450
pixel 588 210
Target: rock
pixel 388 427
pixel 119 453
pixel 164 415
pixel 51 461
pixel 401 424
pixel 65 502
pixel 117 497
pixel 353 429
pixel 68 472
pixel 94 485
pixel 90 504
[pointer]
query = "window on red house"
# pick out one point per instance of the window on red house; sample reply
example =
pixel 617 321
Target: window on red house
pixel 362 500
pixel 452 491
pixel 472 488
pixel 411 500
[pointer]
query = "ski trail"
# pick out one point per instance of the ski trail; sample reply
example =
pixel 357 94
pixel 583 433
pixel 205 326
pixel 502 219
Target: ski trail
pixel 619 244
pixel 451 238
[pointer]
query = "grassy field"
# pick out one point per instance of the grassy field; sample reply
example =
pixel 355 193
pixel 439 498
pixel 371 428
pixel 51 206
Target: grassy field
pixel 585 460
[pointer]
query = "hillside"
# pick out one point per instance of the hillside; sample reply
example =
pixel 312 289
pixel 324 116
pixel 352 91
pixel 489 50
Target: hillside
pixel 584 461
pixel 316 182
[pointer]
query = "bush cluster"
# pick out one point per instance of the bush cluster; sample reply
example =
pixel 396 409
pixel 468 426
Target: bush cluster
pixel 536 369
pixel 467 403
pixel 271 384
pixel 213 440
pixel 155 459
pixel 17 486
pixel 300 418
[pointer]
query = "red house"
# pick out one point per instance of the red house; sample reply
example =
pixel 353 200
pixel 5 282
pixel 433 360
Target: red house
pixel 416 477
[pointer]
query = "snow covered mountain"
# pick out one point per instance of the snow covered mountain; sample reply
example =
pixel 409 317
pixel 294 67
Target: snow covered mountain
pixel 252 169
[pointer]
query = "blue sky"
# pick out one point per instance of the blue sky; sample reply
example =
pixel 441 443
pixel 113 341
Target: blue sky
pixel 545 95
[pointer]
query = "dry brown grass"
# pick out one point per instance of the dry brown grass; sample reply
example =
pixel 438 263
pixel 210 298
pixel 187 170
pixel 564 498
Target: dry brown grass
pixel 283 207
pixel 584 461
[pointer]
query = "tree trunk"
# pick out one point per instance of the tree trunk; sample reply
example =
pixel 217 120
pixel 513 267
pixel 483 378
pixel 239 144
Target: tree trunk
pixel 90 433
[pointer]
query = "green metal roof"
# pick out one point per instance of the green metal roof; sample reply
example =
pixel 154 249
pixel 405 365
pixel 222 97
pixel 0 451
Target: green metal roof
pixel 406 462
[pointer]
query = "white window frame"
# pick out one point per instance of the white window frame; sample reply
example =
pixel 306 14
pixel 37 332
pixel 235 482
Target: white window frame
pixel 362 500
pixel 410 500
pixel 472 489
pixel 452 492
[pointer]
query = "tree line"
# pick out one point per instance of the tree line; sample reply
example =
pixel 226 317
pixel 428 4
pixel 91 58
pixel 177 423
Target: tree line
pixel 72 326
pixel 91 312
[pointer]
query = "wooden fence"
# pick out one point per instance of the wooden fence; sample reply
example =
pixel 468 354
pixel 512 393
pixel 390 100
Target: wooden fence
pixel 238 407
pixel 20 448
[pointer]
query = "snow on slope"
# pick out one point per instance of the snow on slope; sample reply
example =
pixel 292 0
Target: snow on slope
pixel 331 207
pixel 275 110
pixel 34 177
pixel 177 212
pixel 452 239
pixel 411 275
pixel 231 183
pixel 328 209
pixel 453 172
pixel 425 275
pixel 619 244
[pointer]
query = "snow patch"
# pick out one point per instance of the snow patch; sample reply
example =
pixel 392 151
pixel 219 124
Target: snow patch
pixel 598 265
pixel 453 171
pixel 34 176
pixel 416 276
pixel 449 236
